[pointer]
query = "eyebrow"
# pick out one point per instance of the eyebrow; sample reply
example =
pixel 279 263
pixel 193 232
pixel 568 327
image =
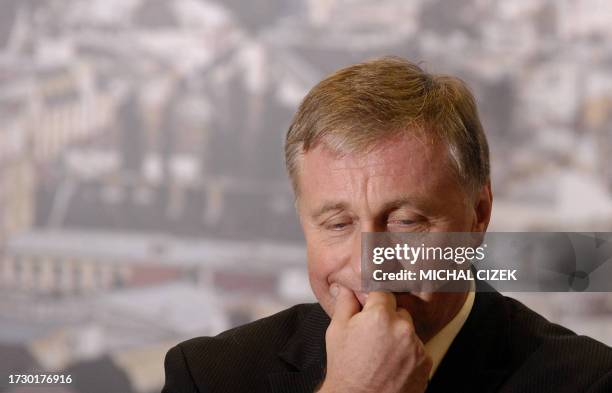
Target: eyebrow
pixel 389 206
pixel 400 202
pixel 327 207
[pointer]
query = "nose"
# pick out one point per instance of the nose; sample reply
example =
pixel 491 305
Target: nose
pixel 356 250
pixel 355 260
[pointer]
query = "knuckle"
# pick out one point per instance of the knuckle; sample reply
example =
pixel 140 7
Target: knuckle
pixel 427 363
pixel 420 352
pixel 403 327
pixel 379 314
pixel 403 313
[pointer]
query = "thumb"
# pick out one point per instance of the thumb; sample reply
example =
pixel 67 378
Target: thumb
pixel 346 304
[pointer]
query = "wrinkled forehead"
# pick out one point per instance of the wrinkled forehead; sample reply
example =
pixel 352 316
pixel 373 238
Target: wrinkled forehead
pixel 406 168
pixel 407 153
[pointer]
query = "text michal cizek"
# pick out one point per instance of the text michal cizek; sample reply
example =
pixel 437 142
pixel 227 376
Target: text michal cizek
pixel 446 275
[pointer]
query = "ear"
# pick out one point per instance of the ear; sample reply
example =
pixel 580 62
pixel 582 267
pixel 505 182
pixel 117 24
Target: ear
pixel 483 206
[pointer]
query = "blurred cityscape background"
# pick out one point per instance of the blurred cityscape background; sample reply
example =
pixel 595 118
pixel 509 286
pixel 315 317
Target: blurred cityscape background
pixel 143 199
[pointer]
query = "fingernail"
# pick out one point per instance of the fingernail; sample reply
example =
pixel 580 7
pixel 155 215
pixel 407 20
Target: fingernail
pixel 334 289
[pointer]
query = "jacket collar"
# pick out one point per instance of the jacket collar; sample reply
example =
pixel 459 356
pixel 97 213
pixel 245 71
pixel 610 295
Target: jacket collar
pixel 479 358
pixel 304 352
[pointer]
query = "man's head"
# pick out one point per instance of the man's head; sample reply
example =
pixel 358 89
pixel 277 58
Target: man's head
pixel 384 146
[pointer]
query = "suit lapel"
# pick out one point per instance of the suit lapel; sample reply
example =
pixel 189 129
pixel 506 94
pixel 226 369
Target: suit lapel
pixel 305 355
pixel 478 359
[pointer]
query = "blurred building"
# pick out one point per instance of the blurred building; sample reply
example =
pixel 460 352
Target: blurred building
pixel 141 165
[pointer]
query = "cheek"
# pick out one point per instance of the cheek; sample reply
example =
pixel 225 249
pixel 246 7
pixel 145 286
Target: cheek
pixel 320 267
pixel 463 217
pixel 458 220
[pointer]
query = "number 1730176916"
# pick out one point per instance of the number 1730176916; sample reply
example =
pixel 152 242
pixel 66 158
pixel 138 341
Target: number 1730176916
pixel 39 379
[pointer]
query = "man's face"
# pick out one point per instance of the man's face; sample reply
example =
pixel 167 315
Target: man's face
pixel 404 185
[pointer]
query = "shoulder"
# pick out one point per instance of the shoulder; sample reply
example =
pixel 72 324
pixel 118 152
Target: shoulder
pixel 547 354
pixel 260 336
pixel 249 351
pixel 537 334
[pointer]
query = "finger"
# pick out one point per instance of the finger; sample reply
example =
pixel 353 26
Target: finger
pixel 405 314
pixel 386 299
pixel 346 305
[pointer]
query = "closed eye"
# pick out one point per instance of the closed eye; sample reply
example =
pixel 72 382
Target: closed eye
pixel 402 222
pixel 412 225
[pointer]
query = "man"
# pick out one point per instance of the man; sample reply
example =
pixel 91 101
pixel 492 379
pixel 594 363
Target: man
pixel 384 146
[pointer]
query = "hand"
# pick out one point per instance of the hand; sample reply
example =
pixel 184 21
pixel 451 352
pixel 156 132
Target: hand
pixel 373 350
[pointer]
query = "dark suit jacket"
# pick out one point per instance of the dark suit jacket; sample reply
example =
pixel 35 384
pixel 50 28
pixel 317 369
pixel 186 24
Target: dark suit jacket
pixel 503 347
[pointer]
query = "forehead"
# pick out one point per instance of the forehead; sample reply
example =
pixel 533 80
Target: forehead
pixel 408 152
pixel 404 168
pixel 410 156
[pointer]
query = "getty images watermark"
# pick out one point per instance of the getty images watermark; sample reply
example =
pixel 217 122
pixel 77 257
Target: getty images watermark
pixel 507 261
